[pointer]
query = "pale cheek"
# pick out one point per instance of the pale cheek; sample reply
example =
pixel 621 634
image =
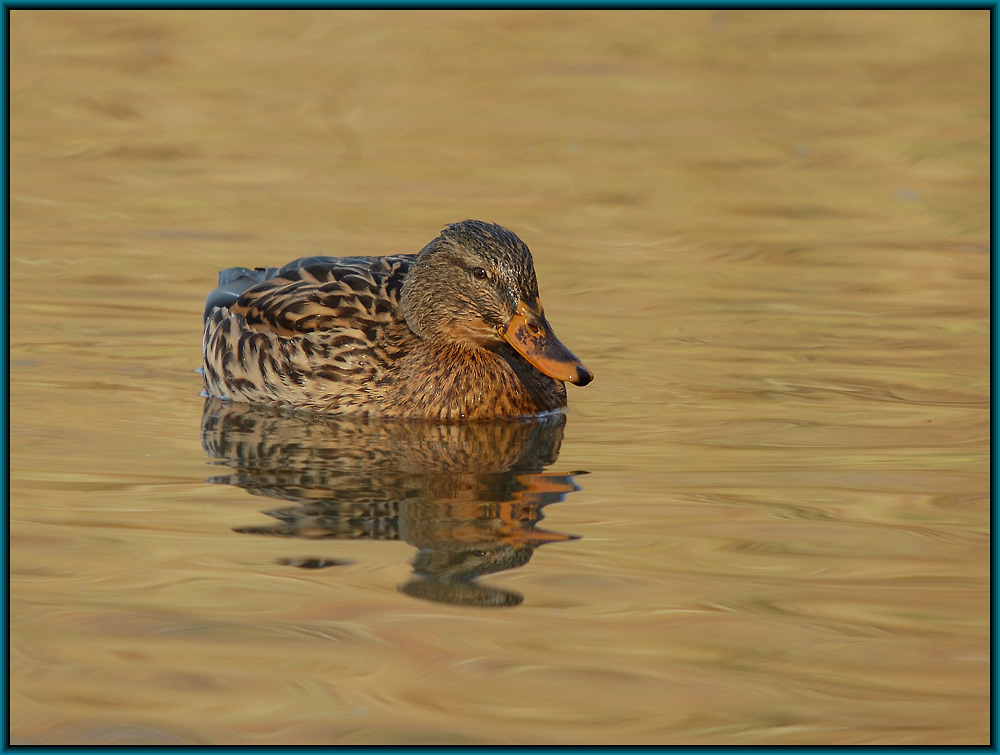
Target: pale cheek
pixel 473 331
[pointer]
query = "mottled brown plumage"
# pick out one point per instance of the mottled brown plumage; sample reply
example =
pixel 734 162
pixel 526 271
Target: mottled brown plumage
pixel 455 332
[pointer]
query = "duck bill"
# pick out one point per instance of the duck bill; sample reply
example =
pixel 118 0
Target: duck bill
pixel 531 335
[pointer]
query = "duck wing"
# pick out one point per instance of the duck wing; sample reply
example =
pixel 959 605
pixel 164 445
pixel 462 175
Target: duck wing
pixel 308 334
pixel 315 295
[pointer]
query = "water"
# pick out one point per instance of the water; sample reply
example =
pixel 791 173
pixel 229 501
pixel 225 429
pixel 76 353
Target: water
pixel 765 522
pixel 466 496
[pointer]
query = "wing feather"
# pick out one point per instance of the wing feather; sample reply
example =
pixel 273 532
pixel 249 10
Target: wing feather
pixel 342 298
pixel 308 333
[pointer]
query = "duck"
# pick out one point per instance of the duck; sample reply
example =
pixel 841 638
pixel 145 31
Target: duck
pixel 456 332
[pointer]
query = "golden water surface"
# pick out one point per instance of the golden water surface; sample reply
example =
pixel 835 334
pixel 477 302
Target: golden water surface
pixel 766 521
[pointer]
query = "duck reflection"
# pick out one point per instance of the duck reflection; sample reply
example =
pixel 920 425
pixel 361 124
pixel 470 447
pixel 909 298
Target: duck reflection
pixel 467 496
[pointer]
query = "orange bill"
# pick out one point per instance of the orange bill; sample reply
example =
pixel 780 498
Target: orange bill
pixel 531 335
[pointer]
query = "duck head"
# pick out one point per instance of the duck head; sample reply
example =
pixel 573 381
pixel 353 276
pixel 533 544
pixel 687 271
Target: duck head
pixel 475 283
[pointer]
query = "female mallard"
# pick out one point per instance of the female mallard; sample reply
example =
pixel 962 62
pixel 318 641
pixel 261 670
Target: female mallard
pixel 454 332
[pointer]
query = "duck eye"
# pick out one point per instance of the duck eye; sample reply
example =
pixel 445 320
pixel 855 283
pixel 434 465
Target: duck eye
pixel 479 273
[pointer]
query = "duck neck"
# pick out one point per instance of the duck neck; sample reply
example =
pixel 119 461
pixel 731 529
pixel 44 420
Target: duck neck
pixel 461 381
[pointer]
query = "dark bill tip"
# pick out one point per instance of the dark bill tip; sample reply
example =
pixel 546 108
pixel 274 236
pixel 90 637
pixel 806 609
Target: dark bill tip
pixel 583 375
